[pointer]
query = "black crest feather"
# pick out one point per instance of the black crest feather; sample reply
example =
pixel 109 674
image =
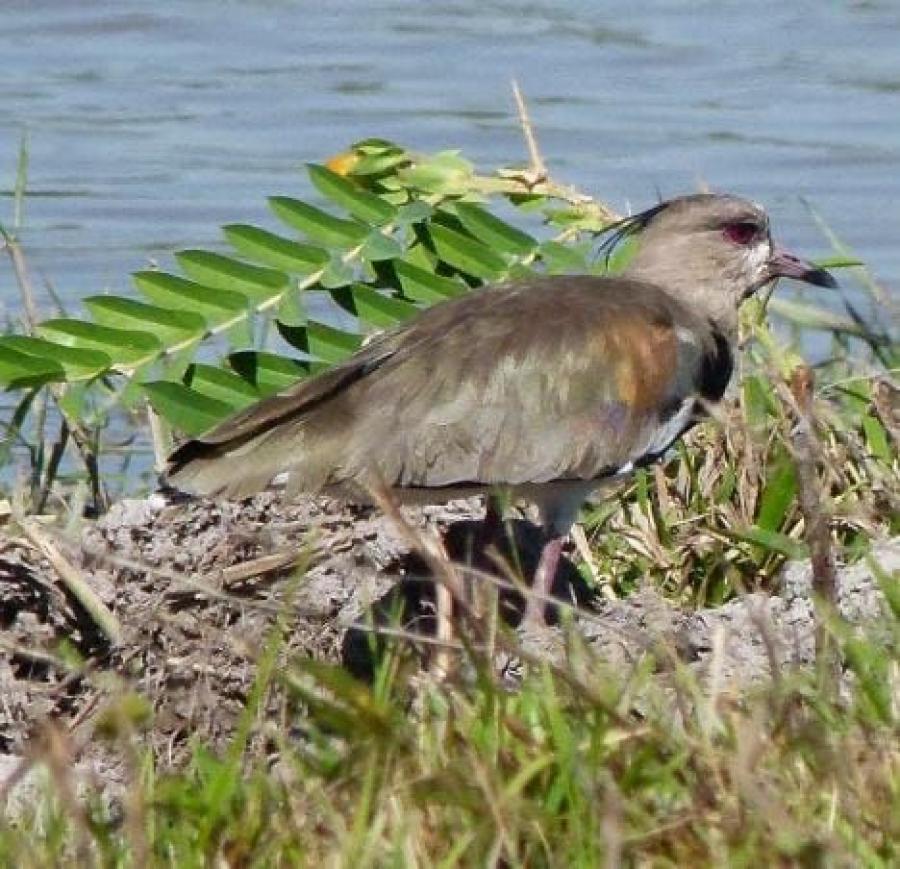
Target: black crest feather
pixel 618 232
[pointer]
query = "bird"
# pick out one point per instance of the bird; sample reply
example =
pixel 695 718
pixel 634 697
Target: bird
pixel 545 389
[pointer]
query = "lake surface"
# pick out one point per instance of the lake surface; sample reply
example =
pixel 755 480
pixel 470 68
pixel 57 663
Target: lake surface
pixel 153 123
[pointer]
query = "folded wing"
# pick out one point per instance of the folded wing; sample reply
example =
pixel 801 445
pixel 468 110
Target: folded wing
pixel 559 378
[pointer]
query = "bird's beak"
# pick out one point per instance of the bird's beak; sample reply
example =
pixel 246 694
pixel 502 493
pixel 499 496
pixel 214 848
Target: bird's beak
pixel 784 264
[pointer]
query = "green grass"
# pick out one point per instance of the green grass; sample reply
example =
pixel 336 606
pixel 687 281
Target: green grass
pixel 598 769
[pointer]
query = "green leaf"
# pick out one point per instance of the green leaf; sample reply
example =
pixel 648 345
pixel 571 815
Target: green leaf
pixel 268 372
pixel 576 217
pixel 376 157
pixel 877 439
pixel 126 347
pixel 73 403
pixel 421 285
pixel 77 364
pixel 377 145
pixel 19 370
pixel 414 212
pixel 838 262
pixel 227 273
pixel 185 409
pixel 619 257
pixel 215 305
pixel 223 385
pixel 378 164
pixel 773 541
pixel 318 225
pixel 445 173
pixel 291 309
pixel 814 317
pixel 727 485
pixel 528 202
pixel 337 274
pixel 778 495
pixel 562 258
pixel 424 257
pixel 170 326
pixel 373 306
pixel 320 341
pixel 856 395
pixel 381 247
pixel 759 401
pixel 275 250
pixel 495 233
pixel 520 272
pixel 466 254
pixel 360 203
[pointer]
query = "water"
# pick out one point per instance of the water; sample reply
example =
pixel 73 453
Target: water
pixel 153 123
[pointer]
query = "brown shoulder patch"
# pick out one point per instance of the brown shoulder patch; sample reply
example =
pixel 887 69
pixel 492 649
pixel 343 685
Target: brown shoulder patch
pixel 645 361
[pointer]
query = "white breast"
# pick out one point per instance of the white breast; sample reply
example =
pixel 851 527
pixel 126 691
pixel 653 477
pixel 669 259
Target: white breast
pixel 667 433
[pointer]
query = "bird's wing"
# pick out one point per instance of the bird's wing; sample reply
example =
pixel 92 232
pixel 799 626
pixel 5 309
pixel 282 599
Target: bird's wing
pixel 572 379
pixel 568 378
pixel 231 457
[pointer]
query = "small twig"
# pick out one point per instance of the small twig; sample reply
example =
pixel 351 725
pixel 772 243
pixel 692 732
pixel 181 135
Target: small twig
pixel 202 587
pixel 449 588
pixel 32 314
pixel 53 463
pixel 538 169
pixel 56 749
pixel 32 318
pixel 579 538
pixel 81 439
pixel 37 448
pixel 38 656
pixel 255 567
pixel 815 517
pixel 413 637
pixel 875 374
pixel 445 572
pixel 762 620
pixel 162 440
pixel 13 248
pixel 102 616
pixel 886 402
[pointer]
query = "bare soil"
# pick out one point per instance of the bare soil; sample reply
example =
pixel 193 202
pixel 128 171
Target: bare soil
pixel 197 587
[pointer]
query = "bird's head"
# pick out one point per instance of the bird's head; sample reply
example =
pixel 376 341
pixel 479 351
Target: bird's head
pixel 712 251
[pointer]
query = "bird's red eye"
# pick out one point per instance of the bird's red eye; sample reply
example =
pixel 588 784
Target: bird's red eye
pixel 741 233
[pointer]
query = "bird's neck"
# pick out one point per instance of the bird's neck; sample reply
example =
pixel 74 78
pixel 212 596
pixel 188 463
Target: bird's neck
pixel 709 301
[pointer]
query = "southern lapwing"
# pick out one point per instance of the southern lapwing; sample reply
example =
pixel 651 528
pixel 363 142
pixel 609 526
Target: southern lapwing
pixel 545 387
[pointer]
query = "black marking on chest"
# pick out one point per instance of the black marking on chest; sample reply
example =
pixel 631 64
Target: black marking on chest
pixel 716 368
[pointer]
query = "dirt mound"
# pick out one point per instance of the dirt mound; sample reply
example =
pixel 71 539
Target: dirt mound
pixel 197 587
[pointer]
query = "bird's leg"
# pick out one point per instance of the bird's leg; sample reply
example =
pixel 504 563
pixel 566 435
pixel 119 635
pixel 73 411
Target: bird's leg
pixel 559 510
pixel 543 579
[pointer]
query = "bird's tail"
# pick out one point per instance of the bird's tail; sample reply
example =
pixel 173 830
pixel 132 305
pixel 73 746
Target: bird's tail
pixel 245 466
pixel 301 431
